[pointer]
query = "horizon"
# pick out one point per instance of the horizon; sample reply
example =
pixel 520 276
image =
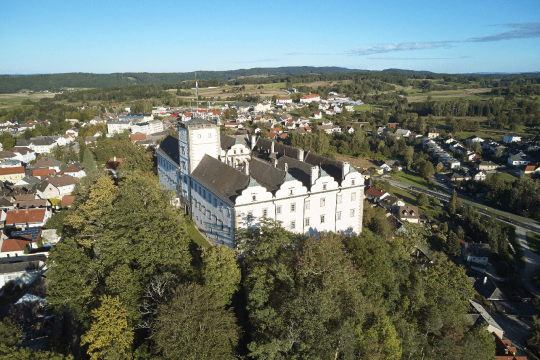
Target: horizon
pixel 109 37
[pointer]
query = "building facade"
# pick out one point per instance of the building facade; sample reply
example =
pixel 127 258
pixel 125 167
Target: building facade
pixel 225 192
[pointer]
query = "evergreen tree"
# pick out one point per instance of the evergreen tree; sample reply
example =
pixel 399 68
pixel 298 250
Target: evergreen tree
pixel 88 163
pixel 453 247
pixel 452 204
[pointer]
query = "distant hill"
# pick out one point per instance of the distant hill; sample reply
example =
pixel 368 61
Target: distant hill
pixel 404 71
pixel 51 82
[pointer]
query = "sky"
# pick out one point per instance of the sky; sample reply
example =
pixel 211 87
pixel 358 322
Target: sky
pixel 54 36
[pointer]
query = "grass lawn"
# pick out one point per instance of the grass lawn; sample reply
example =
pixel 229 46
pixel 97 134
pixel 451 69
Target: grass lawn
pixel 367 107
pixel 196 236
pixel 534 242
pixel 433 210
pixel 506 176
pixel 411 178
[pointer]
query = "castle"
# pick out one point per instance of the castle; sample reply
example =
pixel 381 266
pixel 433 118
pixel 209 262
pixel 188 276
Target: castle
pixel 230 182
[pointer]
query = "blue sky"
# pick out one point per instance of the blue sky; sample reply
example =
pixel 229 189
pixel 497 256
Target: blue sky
pixel 176 36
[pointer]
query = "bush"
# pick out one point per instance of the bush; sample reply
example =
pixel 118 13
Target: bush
pixel 502 268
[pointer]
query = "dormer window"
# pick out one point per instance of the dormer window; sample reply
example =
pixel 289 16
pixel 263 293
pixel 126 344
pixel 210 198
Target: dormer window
pixel 253 197
pixel 353 181
pixel 290 191
pixel 324 186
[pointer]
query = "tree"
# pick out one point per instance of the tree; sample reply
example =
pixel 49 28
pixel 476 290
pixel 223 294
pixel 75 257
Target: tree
pixel 7 141
pixel 220 273
pixel 444 227
pixel 453 248
pixel 452 204
pixel 109 336
pixel 533 339
pixel 423 200
pixel 195 324
pixel 427 170
pixel 88 163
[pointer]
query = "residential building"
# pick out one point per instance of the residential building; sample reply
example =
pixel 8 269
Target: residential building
pixel 76 170
pixel 310 98
pixel 511 138
pixel 23 154
pixel 476 253
pixel 479 315
pixel 48 163
pixel 409 213
pixel 24 218
pixel 487 166
pixel 136 118
pixel 433 133
pixel 517 160
pixel 12 174
pixel 147 128
pixel 283 101
pixel 376 195
pixel 118 127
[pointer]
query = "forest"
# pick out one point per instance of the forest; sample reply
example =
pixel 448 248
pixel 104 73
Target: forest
pixel 137 287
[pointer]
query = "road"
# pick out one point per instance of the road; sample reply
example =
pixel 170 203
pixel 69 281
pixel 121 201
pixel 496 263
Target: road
pixel 522 222
pixel 532 260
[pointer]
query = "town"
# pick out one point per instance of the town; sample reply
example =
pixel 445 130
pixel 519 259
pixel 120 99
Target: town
pixel 302 163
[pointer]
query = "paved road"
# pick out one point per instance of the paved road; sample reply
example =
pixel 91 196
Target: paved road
pixel 525 223
pixel 516 330
pixel 532 260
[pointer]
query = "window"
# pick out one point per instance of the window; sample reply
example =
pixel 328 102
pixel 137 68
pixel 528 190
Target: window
pixel 352 212
pixel 322 219
pixel 253 197
pixel 324 186
pixel 215 217
pixel 250 215
pixel 199 136
pixel 290 191
pixel 293 224
pixel 209 136
pixel 353 196
pixel 338 217
pixel 265 212
pixel 222 225
pixel 228 212
pixel 183 165
pixel 353 181
pixel 323 202
pixel 220 207
pixel 204 194
pixel 293 207
pixel 278 209
pixel 306 222
pixel 339 199
pixel 307 205
pixel 229 230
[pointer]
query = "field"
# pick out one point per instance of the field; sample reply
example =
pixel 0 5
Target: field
pixel 432 209
pixel 267 90
pixel 506 176
pixel 362 163
pixel 417 95
pixel 15 100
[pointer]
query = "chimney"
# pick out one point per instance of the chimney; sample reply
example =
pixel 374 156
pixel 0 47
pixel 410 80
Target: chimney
pixel 300 155
pixel 272 148
pixel 246 167
pixel 314 174
pixel 485 280
pixel 253 141
pixel 345 167
pixel 275 162
pixel 505 351
pixel 114 159
pixel 286 167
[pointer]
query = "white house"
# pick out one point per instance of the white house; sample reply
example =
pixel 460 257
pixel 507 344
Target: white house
pixel 310 98
pixel 283 101
pixel 511 138
pixel 114 127
pixel 517 160
pixel 147 128
pixel 75 170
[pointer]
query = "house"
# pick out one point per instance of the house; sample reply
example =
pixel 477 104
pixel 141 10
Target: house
pixel 527 169
pixel 486 288
pixel 391 203
pixel 476 253
pixel 19 272
pixel 474 139
pixel 45 190
pixel 317 115
pixel 13 249
pixel 12 174
pixel 67 200
pixel 10 163
pixel 283 101
pixel 42 173
pixel 150 127
pixel 24 154
pixel 65 184
pixel 375 195
pixel 48 163
pixel 350 129
pixel 504 349
pixel 391 164
pixel 479 176
pixel 433 133
pixel 137 137
pixel 90 140
pixel 487 166
pixel 457 176
pixel 8 155
pixel 408 213
pixel 118 127
pixel 517 160
pixel 511 138
pixel 76 170
pixel 402 133
pixel 310 98
pixel 24 218
pixel 366 174
pixel 113 165
pixel 27 182
pixel 393 125
pixel 480 316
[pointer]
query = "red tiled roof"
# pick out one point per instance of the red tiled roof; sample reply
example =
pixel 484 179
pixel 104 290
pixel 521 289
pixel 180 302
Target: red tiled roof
pixel 112 164
pixel 12 171
pixel 310 96
pixel 375 192
pixel 271 134
pixel 67 200
pixel 276 129
pixel 43 172
pixel 283 136
pixel 25 216
pixel 136 137
pixel 10 245
pixel 187 114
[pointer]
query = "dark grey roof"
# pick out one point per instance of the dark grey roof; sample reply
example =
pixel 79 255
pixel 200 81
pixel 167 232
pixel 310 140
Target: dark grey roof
pixel 220 178
pixel 46 162
pixel 266 175
pixel 477 250
pixel 18 267
pixel 298 169
pixel 226 141
pixel 170 147
pixel 41 186
pixel 332 167
pixel 263 146
pixel 487 288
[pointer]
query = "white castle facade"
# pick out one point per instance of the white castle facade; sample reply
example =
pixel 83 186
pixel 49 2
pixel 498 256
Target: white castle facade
pixel 228 183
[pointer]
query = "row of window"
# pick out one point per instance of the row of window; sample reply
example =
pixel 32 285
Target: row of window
pixel 307 202
pixel 207 226
pixel 321 219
